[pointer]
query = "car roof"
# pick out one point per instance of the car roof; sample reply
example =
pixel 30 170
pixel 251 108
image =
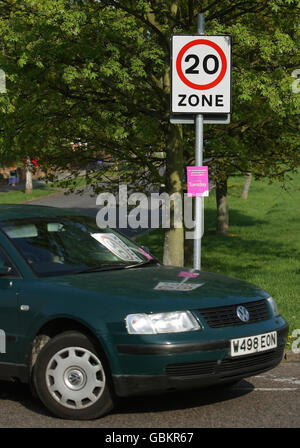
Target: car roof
pixel 19 211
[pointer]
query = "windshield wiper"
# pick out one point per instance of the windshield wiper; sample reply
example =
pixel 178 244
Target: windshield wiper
pixel 114 266
pixel 103 267
pixel 143 263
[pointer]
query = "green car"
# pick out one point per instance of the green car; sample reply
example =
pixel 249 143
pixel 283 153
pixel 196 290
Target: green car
pixel 87 316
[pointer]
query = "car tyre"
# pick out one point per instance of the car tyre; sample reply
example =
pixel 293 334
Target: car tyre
pixel 72 379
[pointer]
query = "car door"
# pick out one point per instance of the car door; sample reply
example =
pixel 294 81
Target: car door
pixel 9 278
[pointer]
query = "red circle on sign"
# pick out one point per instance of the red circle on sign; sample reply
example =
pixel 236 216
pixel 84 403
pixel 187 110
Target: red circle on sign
pixel 220 53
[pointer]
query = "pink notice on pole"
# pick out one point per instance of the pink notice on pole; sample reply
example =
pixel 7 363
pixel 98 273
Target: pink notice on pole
pixel 197 181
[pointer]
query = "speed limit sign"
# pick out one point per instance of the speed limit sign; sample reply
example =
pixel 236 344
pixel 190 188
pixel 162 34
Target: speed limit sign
pixel 201 74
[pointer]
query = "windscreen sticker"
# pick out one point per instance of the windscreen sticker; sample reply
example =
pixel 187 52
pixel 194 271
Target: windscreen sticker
pixel 146 254
pixel 116 246
pixel 177 286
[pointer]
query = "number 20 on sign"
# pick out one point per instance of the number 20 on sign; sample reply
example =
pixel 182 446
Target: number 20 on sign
pixel 201 74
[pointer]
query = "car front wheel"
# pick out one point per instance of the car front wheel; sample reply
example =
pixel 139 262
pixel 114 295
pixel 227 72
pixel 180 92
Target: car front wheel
pixel 70 378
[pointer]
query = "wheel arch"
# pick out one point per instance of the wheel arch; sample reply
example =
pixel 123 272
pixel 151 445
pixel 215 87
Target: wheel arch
pixel 60 325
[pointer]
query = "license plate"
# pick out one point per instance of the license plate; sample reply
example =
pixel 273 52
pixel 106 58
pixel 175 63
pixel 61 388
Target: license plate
pixel 253 344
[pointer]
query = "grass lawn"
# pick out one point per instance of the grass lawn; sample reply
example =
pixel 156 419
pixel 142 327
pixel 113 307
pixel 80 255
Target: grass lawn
pixel 264 242
pixel 19 196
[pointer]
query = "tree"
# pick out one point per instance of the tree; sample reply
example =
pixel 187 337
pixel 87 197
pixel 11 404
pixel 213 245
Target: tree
pixel 96 74
pixel 247 184
pixel 28 176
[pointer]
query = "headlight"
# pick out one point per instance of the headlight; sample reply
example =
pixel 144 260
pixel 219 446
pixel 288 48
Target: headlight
pixel 173 322
pixel 273 306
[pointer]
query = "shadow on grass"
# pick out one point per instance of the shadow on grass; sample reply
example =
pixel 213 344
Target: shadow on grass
pixel 234 253
pixel 6 188
pixel 236 218
pixel 230 254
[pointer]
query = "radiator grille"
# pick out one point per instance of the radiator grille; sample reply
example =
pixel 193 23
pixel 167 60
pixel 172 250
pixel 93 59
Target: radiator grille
pixel 226 316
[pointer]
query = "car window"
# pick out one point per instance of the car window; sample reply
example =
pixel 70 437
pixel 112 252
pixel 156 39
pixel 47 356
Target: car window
pixel 70 244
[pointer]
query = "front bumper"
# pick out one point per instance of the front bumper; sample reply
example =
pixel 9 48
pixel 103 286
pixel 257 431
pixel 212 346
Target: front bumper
pixel 210 370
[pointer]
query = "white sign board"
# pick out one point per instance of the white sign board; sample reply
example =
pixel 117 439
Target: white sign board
pixel 116 246
pixel 177 286
pixel 201 74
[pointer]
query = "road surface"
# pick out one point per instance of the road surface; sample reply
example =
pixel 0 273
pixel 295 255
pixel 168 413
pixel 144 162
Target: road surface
pixel 269 400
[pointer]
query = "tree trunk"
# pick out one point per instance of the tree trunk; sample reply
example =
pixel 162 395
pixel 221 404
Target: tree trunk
pixel 28 184
pixel 222 207
pixel 174 237
pixel 247 184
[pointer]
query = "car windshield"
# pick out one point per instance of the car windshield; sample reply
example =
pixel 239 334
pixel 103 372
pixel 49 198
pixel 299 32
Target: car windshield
pixel 68 245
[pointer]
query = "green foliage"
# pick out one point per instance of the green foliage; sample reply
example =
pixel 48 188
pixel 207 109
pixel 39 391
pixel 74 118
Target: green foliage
pixel 96 74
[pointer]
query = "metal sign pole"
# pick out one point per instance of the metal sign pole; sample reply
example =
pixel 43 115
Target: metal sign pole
pixel 198 162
